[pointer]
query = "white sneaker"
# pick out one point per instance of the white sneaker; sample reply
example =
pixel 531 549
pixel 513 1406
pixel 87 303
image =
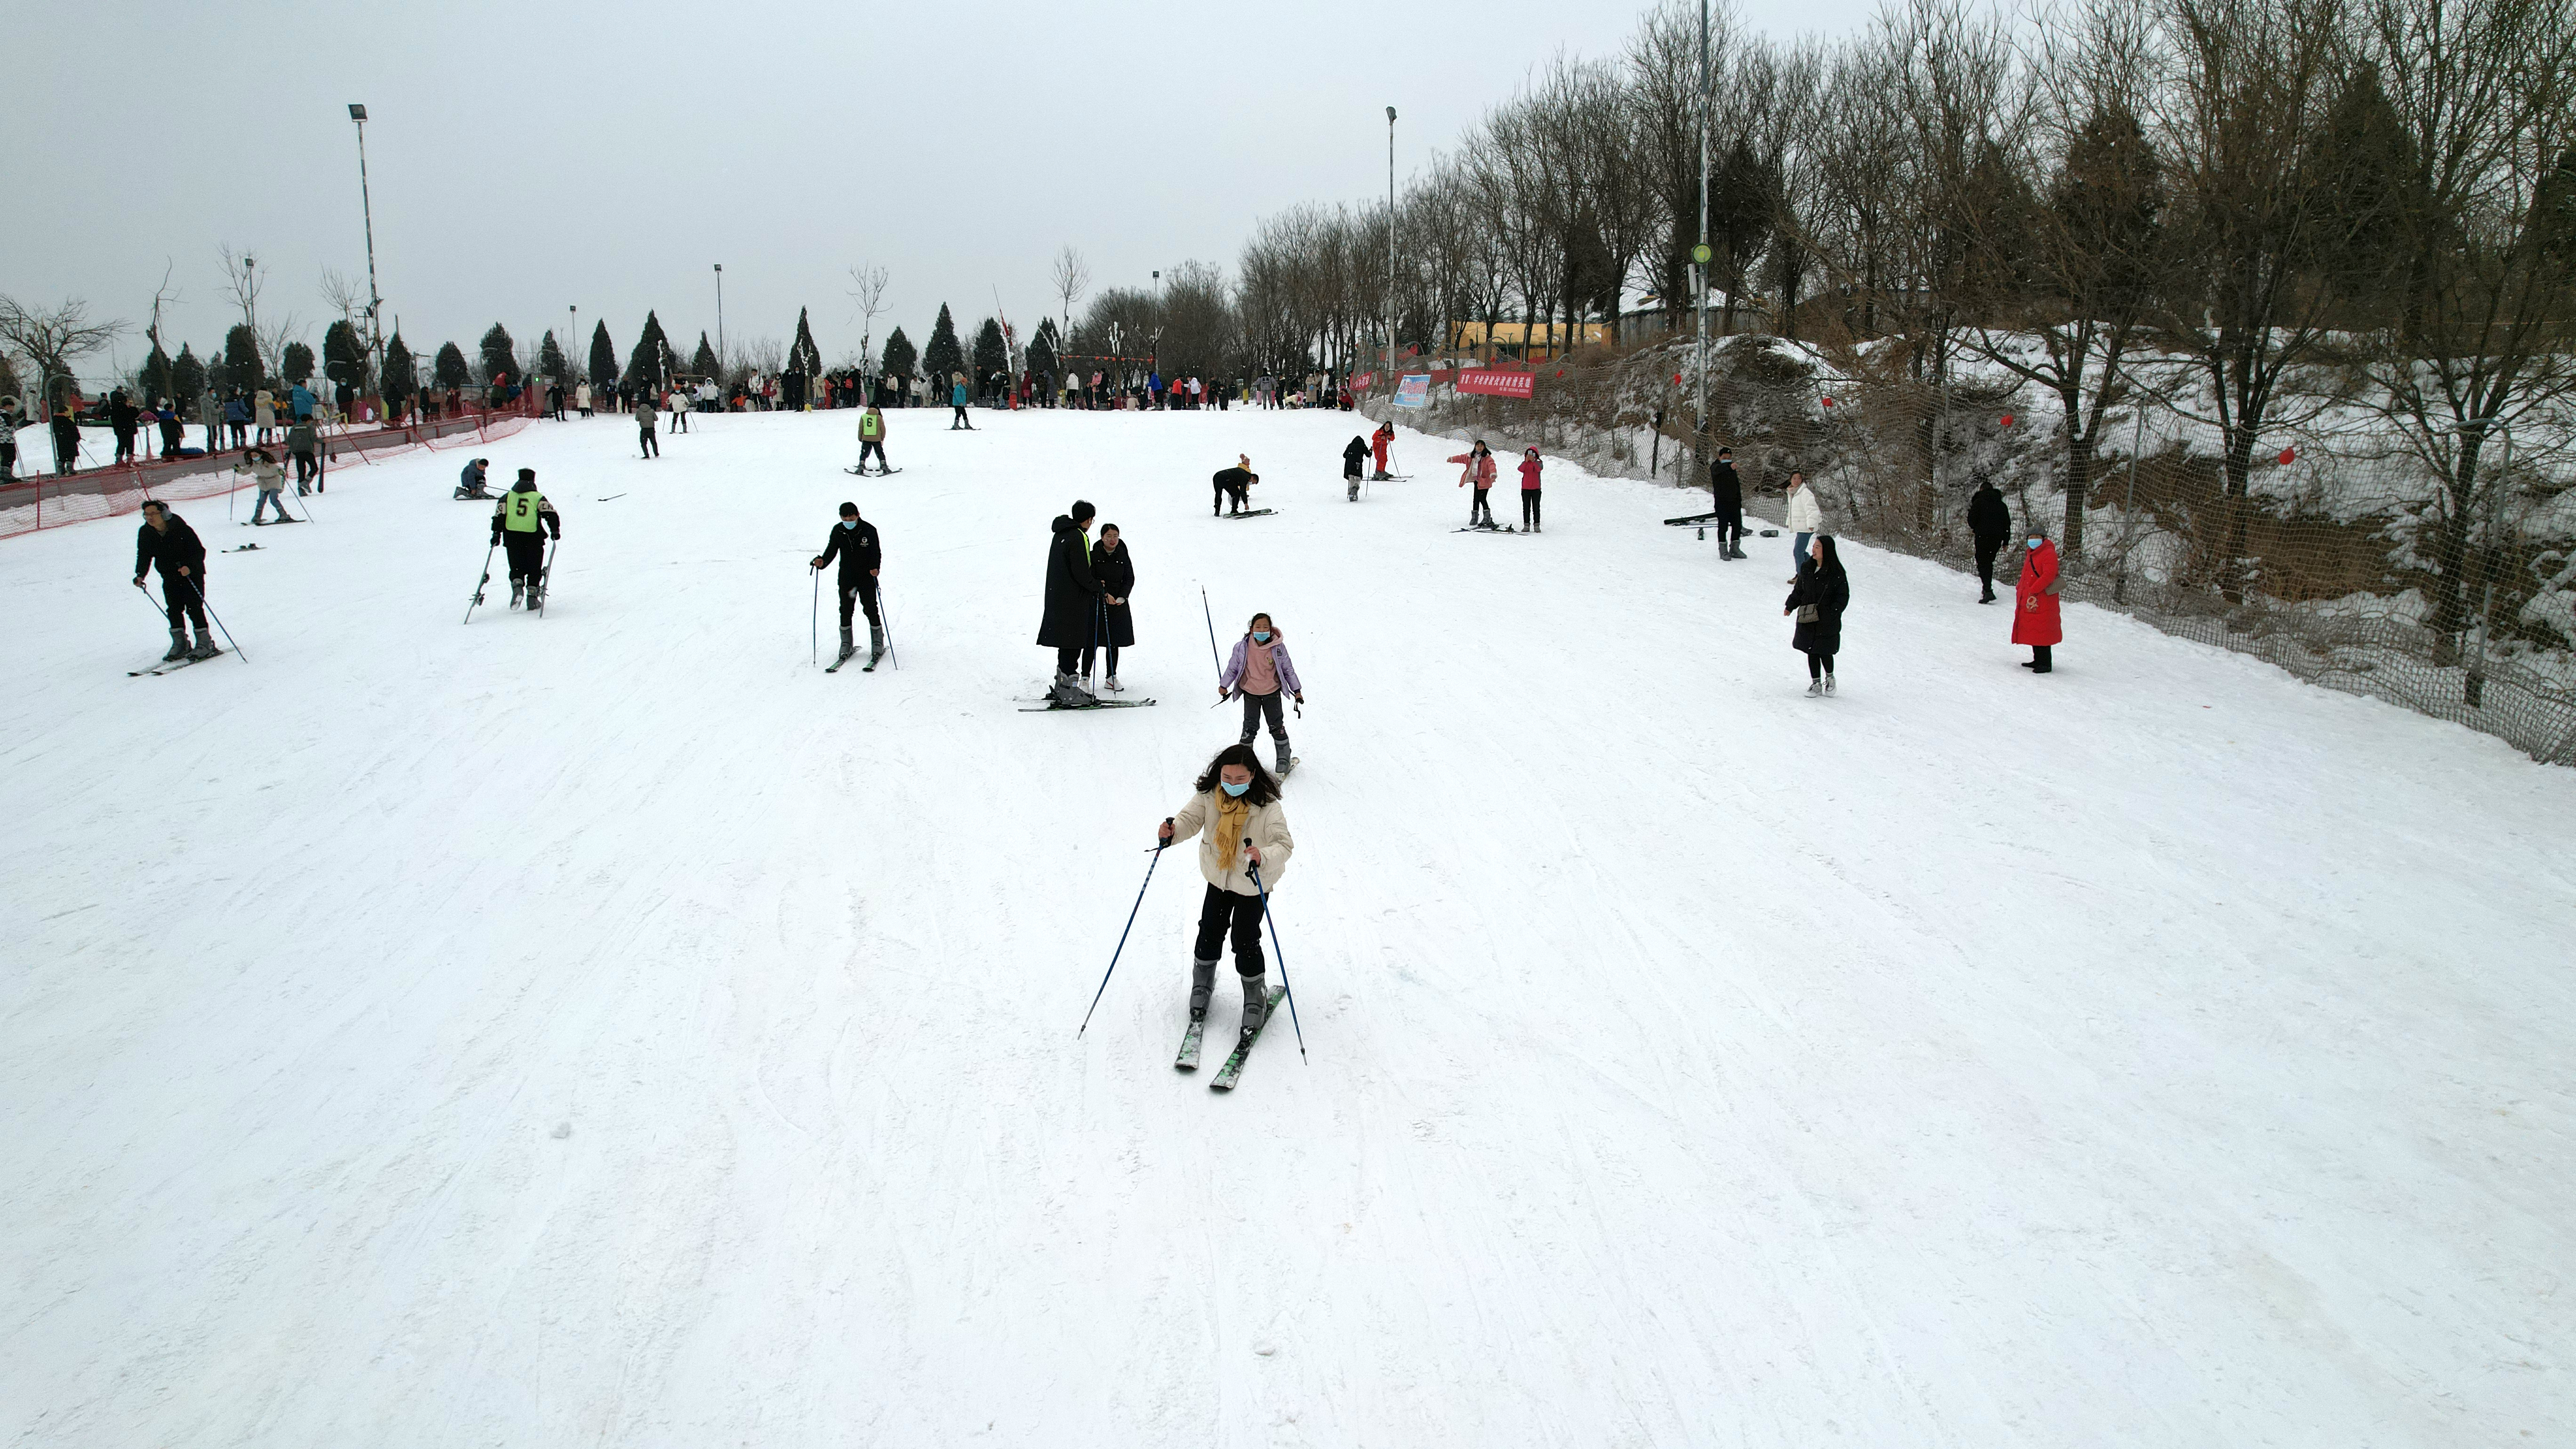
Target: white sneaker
pixel 1829 684
pixel 1114 687
pixel 1815 687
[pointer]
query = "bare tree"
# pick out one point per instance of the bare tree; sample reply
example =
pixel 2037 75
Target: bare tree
pixel 1072 277
pixel 53 340
pixel 867 290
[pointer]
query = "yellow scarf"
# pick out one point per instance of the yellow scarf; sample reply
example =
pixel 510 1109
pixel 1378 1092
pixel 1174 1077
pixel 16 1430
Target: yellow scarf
pixel 1233 817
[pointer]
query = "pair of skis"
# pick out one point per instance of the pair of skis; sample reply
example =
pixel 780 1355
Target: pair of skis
pixel 172 666
pixel 868 668
pixel 872 472
pixel 1223 1081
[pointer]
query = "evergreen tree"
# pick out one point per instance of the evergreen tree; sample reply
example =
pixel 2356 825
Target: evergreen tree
pixel 241 359
pixel 899 357
pixel 703 362
pixel 603 357
pixel 646 363
pixel 155 377
pixel 398 370
pixel 344 357
pixel 187 378
pixel 991 354
pixel 297 365
pixel 500 356
pixel 450 369
pixel 943 358
pixel 802 355
pixel 1042 348
pixel 551 364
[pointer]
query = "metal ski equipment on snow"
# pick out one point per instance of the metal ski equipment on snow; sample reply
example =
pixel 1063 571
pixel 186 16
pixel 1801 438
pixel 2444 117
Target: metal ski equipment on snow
pixel 478 585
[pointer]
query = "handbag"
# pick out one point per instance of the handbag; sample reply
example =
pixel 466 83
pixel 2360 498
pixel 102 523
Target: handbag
pixel 1806 613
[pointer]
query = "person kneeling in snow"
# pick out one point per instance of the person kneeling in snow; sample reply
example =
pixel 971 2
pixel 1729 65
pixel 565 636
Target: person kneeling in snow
pixel 1242 826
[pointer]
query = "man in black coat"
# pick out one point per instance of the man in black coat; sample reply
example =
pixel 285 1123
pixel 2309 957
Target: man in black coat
pixel 854 542
pixel 126 419
pixel 1726 500
pixel 1991 522
pixel 1234 485
pixel 1072 596
pixel 165 542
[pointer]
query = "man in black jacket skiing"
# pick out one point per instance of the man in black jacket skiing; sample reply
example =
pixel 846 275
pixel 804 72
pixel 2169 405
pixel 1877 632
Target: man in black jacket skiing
pixel 854 542
pixel 1991 523
pixel 165 542
pixel 1072 599
pixel 1726 500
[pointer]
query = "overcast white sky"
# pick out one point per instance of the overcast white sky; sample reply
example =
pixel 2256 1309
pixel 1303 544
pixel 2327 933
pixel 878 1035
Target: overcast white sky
pixel 526 159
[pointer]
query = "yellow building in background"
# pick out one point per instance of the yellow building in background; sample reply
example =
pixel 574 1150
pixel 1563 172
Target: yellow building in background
pixel 1525 341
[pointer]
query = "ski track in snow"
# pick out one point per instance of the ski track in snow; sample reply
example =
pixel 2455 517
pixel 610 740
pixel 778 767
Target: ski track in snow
pixel 2163 1052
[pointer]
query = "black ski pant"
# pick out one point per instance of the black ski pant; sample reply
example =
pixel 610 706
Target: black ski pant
pixel 679 419
pixel 185 600
pixel 861 591
pixel 874 448
pixel 959 421
pixel 304 468
pixel 170 440
pixel 527 552
pixel 651 445
pixel 1730 528
pixel 1240 497
pixel 1068 660
pixel 1258 707
pixel 125 445
pixel 1986 550
pixel 1819 665
pixel 1479 509
pixel 1529 507
pixel 1224 914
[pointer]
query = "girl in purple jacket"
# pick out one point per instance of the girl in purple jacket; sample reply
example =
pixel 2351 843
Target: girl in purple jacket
pixel 1260 671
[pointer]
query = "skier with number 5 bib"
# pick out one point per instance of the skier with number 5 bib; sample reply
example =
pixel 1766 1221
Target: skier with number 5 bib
pixel 520 523
pixel 1236 812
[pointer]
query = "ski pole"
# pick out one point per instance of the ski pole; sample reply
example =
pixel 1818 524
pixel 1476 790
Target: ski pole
pixel 1211 626
pixel 546 575
pixel 479 583
pixel 1282 958
pixel 883 613
pixel 157 606
pixel 1122 935
pixel 814 621
pixel 218 618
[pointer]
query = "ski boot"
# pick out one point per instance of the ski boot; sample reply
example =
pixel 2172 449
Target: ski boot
pixel 518 592
pixel 1202 986
pixel 1256 1003
pixel 536 593
pixel 1069 692
pixel 876 642
pixel 178 646
pixel 1280 744
pixel 849 645
pixel 205 645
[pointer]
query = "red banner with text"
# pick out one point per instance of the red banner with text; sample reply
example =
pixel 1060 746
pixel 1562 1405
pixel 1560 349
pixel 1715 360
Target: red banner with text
pixel 1496 381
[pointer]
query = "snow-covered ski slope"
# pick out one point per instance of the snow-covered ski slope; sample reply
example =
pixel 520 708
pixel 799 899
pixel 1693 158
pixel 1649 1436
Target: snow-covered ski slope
pixel 607 1029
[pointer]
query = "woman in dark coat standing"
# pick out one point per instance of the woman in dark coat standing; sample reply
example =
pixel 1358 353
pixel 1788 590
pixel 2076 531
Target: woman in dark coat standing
pixel 1072 597
pixel 1817 598
pixel 1117 574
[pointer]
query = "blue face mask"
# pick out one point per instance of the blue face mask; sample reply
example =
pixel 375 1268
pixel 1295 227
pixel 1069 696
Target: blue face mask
pixel 2034 543
pixel 1260 636
pixel 1232 788
pixel 849 523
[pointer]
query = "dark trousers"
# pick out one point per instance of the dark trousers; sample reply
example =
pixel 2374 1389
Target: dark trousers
pixel 1529 507
pixel 184 601
pixel 959 421
pixel 1239 497
pixel 1819 665
pixel 1225 914
pixel 241 433
pixel 1986 549
pixel 124 444
pixel 863 592
pixel 170 440
pixel 2039 660
pixel 527 553
pixel 1479 510
pixel 651 445
pixel 1258 707
pixel 8 461
pixel 874 448
pixel 1068 659
pixel 1089 653
pixel 304 468
pixel 1730 527
pixel 680 419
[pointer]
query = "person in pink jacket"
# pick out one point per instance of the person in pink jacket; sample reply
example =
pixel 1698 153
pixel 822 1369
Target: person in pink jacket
pixel 1529 490
pixel 1480 472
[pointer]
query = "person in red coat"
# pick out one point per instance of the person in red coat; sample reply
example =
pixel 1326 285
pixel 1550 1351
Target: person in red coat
pixel 1378 443
pixel 2035 602
pixel 1479 472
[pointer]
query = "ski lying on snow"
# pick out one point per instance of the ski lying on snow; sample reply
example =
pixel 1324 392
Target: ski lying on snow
pixel 1690 518
pixel 1077 708
pixel 1483 528
pixel 1188 1060
pixel 1252 513
pixel 864 473
pixel 1233 1068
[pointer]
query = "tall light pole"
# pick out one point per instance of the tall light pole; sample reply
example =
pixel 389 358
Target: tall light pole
pixel 367 210
pixel 1390 254
pixel 574 358
pixel 1700 256
pixel 720 347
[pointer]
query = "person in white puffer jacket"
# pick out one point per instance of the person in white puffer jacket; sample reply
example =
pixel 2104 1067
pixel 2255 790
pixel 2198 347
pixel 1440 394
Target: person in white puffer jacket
pixel 1806 517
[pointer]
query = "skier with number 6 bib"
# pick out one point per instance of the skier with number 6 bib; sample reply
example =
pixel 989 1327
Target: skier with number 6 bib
pixel 520 523
pixel 1236 812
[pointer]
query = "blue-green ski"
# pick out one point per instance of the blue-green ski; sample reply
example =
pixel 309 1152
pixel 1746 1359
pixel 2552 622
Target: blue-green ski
pixel 1233 1068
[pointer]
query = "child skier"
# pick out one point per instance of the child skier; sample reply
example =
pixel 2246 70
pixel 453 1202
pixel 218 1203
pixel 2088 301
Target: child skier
pixel 1379 442
pixel 872 431
pixel 1262 668
pixel 1530 469
pixel 1235 810
pixel 1351 457
pixel 520 522
pixel 1480 472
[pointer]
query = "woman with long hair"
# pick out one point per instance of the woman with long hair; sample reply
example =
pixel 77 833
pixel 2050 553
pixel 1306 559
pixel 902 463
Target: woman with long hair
pixel 1818 597
pixel 1234 809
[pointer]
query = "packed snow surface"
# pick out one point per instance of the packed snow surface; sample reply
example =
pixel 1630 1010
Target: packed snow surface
pixel 610 1029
